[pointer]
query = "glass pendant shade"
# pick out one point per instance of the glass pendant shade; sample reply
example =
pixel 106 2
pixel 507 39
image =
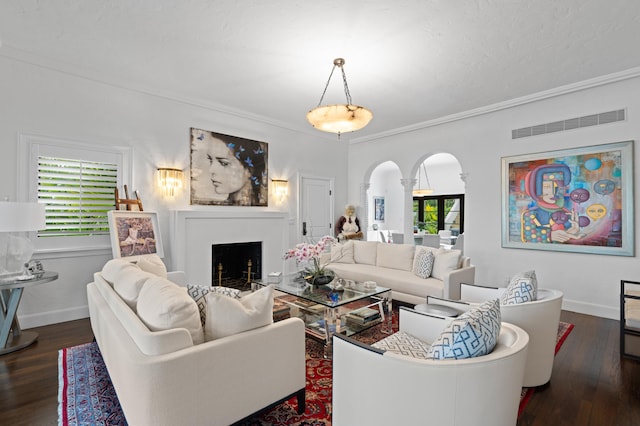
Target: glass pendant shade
pixel 339 118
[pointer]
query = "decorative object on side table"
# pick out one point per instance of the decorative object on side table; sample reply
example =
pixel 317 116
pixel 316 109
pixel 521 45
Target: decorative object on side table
pixel 315 274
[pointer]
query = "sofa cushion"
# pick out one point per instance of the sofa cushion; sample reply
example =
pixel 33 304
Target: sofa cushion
pixel 198 294
pixel 423 263
pixel 445 261
pixel 365 252
pixel 342 253
pixel 163 305
pixel 129 282
pixel 395 256
pixel 227 316
pixel 472 334
pixel 522 288
pixel 403 343
pixel 153 264
pixel 112 268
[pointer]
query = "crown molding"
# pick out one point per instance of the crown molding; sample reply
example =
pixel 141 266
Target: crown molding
pixel 558 91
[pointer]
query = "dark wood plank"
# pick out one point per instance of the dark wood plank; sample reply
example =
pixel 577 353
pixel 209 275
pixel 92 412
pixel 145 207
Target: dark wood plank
pixel 29 377
pixel 590 385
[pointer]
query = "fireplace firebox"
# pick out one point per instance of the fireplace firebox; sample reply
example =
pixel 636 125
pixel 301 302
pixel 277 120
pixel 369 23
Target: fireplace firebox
pixel 236 264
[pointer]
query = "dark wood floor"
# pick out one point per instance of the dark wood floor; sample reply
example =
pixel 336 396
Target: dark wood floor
pixel 590 385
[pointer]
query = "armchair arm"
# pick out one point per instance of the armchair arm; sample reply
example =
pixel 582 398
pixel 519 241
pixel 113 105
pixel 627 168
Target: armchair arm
pixel 453 279
pixel 423 326
pixel 479 293
pixel 177 277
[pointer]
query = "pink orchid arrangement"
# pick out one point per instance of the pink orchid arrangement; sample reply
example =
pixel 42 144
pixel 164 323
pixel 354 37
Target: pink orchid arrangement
pixel 305 252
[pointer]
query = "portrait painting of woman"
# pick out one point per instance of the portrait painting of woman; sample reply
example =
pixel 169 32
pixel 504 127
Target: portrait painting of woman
pixel 227 170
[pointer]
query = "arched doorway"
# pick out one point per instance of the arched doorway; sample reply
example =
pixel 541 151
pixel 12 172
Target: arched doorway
pixel 438 196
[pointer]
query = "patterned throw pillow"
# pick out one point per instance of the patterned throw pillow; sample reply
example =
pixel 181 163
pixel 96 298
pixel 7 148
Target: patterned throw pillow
pixel 403 343
pixel 423 263
pixel 522 288
pixel 198 294
pixel 472 334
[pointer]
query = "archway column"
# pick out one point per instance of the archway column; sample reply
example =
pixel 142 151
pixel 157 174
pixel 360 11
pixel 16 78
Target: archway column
pixel 407 229
pixel 364 203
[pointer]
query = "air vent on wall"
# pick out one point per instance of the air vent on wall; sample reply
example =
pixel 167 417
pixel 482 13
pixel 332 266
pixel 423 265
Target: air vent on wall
pixel 572 123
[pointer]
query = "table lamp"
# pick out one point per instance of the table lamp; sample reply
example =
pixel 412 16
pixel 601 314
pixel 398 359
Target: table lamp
pixel 16 248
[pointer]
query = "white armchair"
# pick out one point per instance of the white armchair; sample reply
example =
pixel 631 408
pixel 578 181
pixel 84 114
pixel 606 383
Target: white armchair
pixel 539 319
pixel 374 387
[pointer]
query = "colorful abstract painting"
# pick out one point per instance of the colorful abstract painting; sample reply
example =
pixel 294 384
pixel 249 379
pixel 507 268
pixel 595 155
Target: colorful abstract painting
pixel 577 200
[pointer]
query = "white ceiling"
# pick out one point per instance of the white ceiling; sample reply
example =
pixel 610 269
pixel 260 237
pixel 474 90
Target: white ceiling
pixel 409 61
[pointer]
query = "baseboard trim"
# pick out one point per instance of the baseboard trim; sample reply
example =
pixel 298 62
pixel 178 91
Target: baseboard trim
pixel 591 309
pixel 53 317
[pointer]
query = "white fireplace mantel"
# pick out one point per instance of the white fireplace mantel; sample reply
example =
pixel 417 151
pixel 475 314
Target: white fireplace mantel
pixel 193 232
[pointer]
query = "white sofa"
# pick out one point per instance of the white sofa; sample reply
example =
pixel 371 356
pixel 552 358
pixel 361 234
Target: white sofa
pixel 376 387
pixel 392 266
pixel 163 378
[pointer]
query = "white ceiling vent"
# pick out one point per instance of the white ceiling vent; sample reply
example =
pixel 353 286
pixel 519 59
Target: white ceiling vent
pixel 572 123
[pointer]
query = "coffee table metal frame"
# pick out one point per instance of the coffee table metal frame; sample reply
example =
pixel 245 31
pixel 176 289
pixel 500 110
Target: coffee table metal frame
pixel 324 310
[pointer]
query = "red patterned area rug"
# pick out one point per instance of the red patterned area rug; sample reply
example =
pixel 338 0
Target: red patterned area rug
pixel 86 396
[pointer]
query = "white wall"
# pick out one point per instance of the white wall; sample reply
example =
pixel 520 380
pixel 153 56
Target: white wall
pixel 590 282
pixel 37 100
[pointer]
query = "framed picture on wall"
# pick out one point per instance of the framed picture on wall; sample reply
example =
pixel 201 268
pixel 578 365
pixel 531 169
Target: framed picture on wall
pixel 574 200
pixel 228 170
pixel 378 209
pixel 134 233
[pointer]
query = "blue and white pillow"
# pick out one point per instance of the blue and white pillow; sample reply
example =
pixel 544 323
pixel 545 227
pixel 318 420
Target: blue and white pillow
pixel 423 263
pixel 198 294
pixel 403 343
pixel 522 288
pixel 472 334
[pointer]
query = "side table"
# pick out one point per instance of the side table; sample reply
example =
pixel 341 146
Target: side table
pixel 11 292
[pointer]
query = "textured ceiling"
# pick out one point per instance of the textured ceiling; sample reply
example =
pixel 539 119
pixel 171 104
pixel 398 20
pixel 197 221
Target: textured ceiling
pixel 408 61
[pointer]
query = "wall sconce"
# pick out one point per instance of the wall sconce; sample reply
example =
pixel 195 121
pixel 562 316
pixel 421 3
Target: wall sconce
pixel 169 180
pixel 280 188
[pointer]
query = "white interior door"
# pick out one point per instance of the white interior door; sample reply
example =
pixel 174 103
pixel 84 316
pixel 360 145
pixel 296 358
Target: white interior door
pixel 316 208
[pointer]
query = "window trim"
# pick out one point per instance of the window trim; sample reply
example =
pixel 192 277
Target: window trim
pixel 440 199
pixel 29 149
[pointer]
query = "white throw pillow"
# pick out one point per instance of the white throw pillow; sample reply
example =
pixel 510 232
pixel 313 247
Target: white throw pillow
pixel 342 253
pixel 396 256
pixel 364 252
pixel 112 268
pixel 444 262
pixel 423 263
pixel 198 294
pixel 129 282
pixel 152 264
pixel 163 305
pixel 227 316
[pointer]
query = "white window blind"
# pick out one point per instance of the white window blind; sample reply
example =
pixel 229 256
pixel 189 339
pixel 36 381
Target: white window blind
pixel 77 195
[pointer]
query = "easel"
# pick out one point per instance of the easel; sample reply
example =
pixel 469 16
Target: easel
pixel 128 202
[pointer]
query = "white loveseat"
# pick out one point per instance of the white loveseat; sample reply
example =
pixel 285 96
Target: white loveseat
pixel 392 266
pixel 163 378
pixel 376 387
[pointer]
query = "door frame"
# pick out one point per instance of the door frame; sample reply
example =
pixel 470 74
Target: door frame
pixel 299 219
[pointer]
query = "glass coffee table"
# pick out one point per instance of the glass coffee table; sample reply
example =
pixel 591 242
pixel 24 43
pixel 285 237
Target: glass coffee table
pixel 326 311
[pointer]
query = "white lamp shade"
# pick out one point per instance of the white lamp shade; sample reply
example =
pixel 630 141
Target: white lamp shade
pixel 21 217
pixel 339 118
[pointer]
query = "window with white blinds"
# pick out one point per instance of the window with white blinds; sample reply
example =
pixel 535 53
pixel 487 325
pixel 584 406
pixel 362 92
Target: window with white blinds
pixel 75 181
pixel 77 195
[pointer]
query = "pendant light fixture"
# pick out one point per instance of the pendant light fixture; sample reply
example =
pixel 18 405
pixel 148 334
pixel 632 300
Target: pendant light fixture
pixel 421 192
pixel 339 118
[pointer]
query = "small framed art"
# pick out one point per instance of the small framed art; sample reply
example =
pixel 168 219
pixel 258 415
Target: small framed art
pixel 134 233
